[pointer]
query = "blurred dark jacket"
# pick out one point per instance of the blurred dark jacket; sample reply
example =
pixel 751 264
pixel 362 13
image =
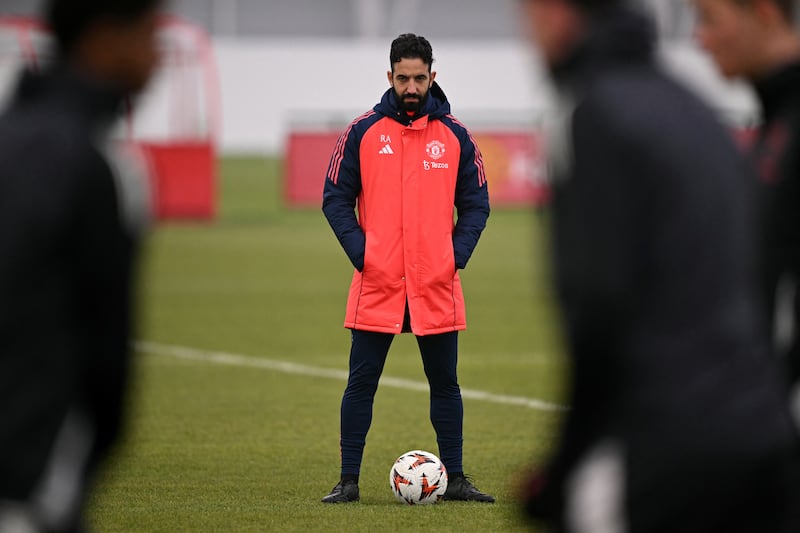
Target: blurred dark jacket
pixel 653 232
pixel 777 158
pixel 68 237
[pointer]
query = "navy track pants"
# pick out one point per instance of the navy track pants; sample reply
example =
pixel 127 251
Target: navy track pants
pixel 367 357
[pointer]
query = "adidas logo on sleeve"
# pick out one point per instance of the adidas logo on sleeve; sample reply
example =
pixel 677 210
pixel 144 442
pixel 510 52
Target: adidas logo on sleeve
pixel 386 150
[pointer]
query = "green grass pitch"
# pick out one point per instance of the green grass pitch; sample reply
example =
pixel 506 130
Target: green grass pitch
pixel 250 447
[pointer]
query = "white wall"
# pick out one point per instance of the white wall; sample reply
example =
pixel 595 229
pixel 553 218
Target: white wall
pixel 267 87
pixel 270 86
pixel 734 102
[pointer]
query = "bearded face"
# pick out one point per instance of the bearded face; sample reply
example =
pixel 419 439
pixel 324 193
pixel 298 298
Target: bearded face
pixel 411 80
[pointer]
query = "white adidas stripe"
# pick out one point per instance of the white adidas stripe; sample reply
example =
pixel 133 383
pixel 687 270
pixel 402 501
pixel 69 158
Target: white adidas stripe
pixel 386 150
pixel 222 358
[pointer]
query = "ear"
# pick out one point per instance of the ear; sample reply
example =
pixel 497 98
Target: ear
pixel 389 77
pixel 433 76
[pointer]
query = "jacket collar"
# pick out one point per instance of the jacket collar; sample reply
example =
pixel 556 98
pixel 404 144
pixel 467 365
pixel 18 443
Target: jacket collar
pixel 63 85
pixel 435 106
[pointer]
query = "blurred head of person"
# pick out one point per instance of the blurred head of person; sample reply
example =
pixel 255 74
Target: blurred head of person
pixel 556 27
pixel 747 38
pixel 113 41
pixel 411 58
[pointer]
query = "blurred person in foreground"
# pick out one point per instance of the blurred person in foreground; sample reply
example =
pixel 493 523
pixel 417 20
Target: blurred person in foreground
pixel 677 422
pixel 408 166
pixel 756 40
pixel 70 221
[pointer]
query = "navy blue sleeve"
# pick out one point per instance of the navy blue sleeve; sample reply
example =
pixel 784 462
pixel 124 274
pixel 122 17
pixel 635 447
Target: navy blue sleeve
pixel 342 187
pixel 471 199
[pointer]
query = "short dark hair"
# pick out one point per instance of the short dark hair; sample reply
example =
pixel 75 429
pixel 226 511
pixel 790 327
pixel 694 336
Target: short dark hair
pixel 592 4
pixel 786 6
pixel 410 46
pixel 69 19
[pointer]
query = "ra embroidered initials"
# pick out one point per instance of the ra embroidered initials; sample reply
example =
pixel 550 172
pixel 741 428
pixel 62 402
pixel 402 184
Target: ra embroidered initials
pixel 386 139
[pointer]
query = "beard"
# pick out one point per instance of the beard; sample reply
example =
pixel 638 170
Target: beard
pixel 411 104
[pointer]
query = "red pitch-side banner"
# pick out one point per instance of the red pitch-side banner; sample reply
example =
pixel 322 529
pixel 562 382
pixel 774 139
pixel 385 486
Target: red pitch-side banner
pixel 184 179
pixel 514 162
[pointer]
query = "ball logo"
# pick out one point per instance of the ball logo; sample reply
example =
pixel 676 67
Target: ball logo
pixel 435 149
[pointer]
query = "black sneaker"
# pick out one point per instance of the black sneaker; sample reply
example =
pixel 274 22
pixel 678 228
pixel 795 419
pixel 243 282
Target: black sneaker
pixel 343 492
pixel 462 489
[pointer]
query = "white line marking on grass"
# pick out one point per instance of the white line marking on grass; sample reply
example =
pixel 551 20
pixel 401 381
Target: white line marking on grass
pixel 230 359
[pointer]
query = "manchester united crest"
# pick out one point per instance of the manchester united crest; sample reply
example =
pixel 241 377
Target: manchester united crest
pixel 435 149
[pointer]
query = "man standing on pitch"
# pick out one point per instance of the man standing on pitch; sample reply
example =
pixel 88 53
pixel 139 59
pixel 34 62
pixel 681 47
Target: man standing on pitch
pixel 677 421
pixel 408 166
pixel 756 40
pixel 70 223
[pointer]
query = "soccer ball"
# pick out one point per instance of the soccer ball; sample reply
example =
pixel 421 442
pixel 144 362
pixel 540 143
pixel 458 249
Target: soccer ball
pixel 418 477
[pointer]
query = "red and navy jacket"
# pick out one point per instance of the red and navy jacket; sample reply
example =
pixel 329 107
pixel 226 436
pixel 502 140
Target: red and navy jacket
pixel 420 188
